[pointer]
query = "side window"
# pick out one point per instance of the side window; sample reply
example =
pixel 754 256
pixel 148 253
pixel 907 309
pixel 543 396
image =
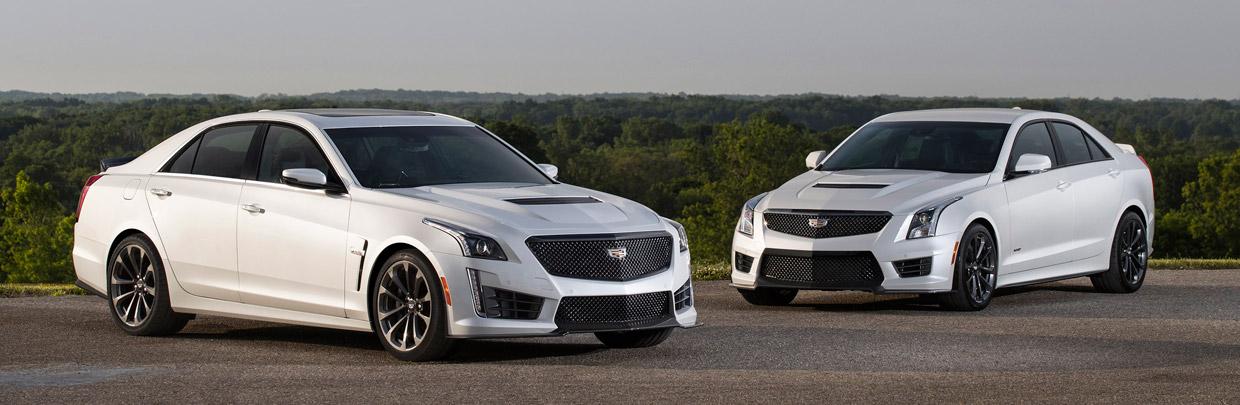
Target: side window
pixel 1034 138
pixel 288 148
pixel 1072 141
pixel 223 151
pixel 184 162
pixel 1096 151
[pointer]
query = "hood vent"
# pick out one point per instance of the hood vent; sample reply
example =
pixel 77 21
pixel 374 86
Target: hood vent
pixel 849 185
pixel 553 200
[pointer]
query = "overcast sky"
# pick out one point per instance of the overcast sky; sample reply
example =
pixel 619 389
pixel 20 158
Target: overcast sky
pixel 1129 49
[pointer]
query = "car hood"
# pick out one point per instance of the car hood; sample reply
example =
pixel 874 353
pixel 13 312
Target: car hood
pixel 551 207
pixel 893 190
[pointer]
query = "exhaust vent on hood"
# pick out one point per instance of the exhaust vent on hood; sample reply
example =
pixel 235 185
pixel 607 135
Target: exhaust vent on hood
pixel 552 200
pixel 849 185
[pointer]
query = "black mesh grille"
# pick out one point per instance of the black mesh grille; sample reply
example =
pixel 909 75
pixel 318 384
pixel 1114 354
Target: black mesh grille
pixel 613 311
pixel 913 268
pixel 504 304
pixel 684 296
pixel 825 270
pixel 836 225
pixel 603 258
pixel 743 262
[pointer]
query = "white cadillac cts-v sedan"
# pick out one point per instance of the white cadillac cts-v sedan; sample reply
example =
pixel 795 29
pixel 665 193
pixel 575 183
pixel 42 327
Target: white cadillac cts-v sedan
pixel 421 227
pixel 955 203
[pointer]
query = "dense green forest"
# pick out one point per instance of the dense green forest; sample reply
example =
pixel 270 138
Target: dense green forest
pixel 695 159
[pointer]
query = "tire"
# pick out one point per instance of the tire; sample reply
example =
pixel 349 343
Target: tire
pixel 138 290
pixel 1129 255
pixel 976 272
pixel 634 339
pixel 408 310
pixel 768 296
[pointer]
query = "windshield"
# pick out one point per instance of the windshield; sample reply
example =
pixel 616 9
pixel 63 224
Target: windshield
pixel 397 157
pixel 956 147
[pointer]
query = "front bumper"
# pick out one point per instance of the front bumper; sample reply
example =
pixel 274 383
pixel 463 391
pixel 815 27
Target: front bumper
pixel 524 275
pixel 887 246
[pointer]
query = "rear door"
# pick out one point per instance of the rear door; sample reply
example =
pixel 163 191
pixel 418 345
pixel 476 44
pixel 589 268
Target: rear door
pixel 1096 183
pixel 193 201
pixel 291 241
pixel 1039 207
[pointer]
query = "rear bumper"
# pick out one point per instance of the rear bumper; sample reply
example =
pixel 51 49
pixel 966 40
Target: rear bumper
pixel 89 257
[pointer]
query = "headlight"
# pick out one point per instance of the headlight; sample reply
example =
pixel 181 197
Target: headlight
pixel 680 229
pixel 745 226
pixel 472 243
pixel 926 220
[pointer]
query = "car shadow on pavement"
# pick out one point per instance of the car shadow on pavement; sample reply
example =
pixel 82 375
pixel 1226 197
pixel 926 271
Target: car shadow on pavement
pixel 471 351
pixel 876 303
pixel 925 303
pixel 293 334
pixel 483 351
pixel 1048 287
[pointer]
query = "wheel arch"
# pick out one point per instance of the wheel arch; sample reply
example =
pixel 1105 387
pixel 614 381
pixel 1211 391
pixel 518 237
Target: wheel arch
pixel 125 234
pixel 375 268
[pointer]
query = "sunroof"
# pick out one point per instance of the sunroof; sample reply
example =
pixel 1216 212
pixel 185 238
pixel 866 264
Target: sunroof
pixel 360 112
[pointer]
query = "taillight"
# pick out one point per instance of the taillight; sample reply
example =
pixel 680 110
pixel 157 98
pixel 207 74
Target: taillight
pixel 82 199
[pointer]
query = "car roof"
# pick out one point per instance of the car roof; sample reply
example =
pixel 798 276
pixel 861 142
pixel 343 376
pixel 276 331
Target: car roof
pixel 326 118
pixel 994 115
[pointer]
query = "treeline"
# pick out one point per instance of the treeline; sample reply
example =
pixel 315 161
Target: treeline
pixel 692 158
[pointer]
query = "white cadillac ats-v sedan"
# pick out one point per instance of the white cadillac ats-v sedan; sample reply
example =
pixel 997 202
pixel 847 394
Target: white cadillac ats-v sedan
pixel 421 227
pixel 954 203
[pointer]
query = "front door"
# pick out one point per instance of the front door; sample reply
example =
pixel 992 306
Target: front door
pixel 291 242
pixel 1039 208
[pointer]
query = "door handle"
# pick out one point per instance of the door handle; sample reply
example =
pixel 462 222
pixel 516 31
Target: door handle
pixel 253 208
pixel 161 192
pixel 1063 185
pixel 1113 173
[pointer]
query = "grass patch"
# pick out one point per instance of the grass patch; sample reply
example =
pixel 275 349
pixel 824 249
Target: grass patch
pixel 39 290
pixel 1194 264
pixel 712 271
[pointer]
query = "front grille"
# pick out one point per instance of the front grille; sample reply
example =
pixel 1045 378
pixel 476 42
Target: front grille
pixel 837 224
pixel 613 311
pixel 504 304
pixel 604 257
pixel 913 268
pixel 743 262
pixel 683 298
pixel 843 270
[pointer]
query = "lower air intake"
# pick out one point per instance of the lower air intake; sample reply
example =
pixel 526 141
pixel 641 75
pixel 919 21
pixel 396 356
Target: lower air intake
pixel 913 268
pixel 613 311
pixel 504 304
pixel 743 262
pixel 826 270
pixel 684 296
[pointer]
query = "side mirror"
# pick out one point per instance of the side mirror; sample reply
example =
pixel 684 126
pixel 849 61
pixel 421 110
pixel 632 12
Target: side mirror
pixel 1031 163
pixel 309 178
pixel 550 169
pixel 815 158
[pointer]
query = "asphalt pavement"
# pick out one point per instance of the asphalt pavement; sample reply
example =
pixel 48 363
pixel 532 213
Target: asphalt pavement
pixel 1176 340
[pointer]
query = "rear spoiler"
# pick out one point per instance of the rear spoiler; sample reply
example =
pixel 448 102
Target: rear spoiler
pixel 1127 148
pixel 116 161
